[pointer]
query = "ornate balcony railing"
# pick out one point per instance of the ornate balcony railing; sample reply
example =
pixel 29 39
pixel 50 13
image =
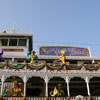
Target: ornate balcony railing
pixel 57 98
pixel 12 98
pixel 50 98
pixel 35 98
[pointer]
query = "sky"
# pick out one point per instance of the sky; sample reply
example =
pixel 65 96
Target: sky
pixel 55 22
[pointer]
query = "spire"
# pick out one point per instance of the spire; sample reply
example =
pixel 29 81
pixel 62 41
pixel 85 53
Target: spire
pixel 13 28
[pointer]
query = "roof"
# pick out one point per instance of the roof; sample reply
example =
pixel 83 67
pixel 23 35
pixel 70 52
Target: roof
pixel 56 57
pixel 69 57
pixel 13 32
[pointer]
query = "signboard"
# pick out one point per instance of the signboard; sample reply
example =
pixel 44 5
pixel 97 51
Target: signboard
pixel 69 51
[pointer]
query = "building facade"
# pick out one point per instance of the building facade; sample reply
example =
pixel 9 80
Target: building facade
pixel 81 76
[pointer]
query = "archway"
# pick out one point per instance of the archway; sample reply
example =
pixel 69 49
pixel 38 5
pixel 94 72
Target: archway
pixel 54 82
pixel 35 87
pixel 11 85
pixel 95 86
pixel 77 86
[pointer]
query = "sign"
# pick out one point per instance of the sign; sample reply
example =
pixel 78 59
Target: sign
pixel 69 51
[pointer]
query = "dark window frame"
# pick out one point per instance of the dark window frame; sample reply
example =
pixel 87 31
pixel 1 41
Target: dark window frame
pixel 21 43
pixel 4 43
pixel 12 42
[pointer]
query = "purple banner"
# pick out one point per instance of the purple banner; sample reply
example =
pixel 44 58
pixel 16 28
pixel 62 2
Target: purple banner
pixel 69 51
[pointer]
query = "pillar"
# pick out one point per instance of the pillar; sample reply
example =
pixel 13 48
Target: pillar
pixel 68 91
pixel 46 90
pixel 2 84
pixel 88 89
pixel 25 81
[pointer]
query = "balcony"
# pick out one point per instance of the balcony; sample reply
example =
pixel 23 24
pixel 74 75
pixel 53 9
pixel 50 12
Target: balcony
pixel 50 98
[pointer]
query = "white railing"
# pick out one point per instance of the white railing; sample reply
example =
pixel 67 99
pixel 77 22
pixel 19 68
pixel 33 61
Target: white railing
pixel 87 98
pixel 12 98
pixel 35 98
pixel 57 98
pixel 49 98
pixel 61 98
pixel 96 97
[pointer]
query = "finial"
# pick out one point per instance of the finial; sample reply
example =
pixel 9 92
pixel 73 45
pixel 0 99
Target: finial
pixel 13 28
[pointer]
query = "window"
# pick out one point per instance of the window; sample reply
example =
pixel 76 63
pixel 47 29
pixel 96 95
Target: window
pixel 13 42
pixel 3 42
pixel 22 42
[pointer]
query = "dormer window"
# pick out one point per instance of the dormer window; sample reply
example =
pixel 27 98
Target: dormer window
pixel 12 42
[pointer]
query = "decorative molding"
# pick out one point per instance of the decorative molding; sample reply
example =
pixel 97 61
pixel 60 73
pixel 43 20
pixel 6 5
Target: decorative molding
pixel 25 79
pixel 87 79
pixel 47 75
